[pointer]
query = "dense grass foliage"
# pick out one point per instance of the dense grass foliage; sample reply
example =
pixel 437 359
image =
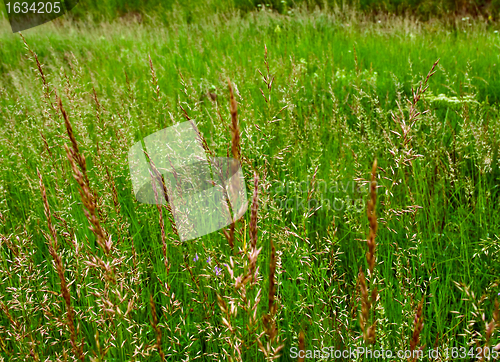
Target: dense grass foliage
pixel 320 96
pixel 194 10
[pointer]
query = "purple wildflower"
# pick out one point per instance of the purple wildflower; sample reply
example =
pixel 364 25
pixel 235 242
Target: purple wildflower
pixel 217 270
pixel 209 260
pixel 196 258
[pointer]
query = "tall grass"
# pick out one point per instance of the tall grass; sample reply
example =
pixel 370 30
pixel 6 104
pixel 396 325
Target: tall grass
pixel 193 10
pixel 88 273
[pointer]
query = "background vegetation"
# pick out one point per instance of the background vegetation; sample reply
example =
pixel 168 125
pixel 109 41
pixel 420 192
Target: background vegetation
pixel 340 97
pixel 194 9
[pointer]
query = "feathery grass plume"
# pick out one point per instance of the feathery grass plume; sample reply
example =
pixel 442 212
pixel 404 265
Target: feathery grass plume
pixel 12 246
pixel 302 346
pixel 490 329
pixel 406 126
pixel 236 152
pixel 200 137
pixel 478 315
pixel 418 325
pixel 270 329
pixel 154 324
pixel 366 304
pixel 249 275
pixel 254 252
pixel 87 195
pixel 417 94
pixel 98 107
pixel 234 340
pixel 367 300
pixel 372 218
pixel 228 207
pixel 35 56
pixel 268 79
pixel 229 235
pixel 162 225
pixel 310 209
pixel 12 321
pixel 154 80
pixel 253 214
pixel 253 224
pixel 100 354
pixel 155 175
pixel 114 193
pixel 47 91
pixel 46 144
pixel 235 126
pixel 211 155
pixel 52 238
pixel 242 340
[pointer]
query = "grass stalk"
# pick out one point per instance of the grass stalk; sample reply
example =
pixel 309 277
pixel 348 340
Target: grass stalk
pixel 369 298
pixel 52 238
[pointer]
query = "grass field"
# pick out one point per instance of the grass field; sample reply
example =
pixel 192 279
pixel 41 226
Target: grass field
pixel 89 273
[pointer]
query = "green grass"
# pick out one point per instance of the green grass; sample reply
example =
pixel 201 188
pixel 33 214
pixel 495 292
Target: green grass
pixel 194 10
pixel 339 77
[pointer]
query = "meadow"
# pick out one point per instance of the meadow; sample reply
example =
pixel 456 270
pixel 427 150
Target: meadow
pixel 369 145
